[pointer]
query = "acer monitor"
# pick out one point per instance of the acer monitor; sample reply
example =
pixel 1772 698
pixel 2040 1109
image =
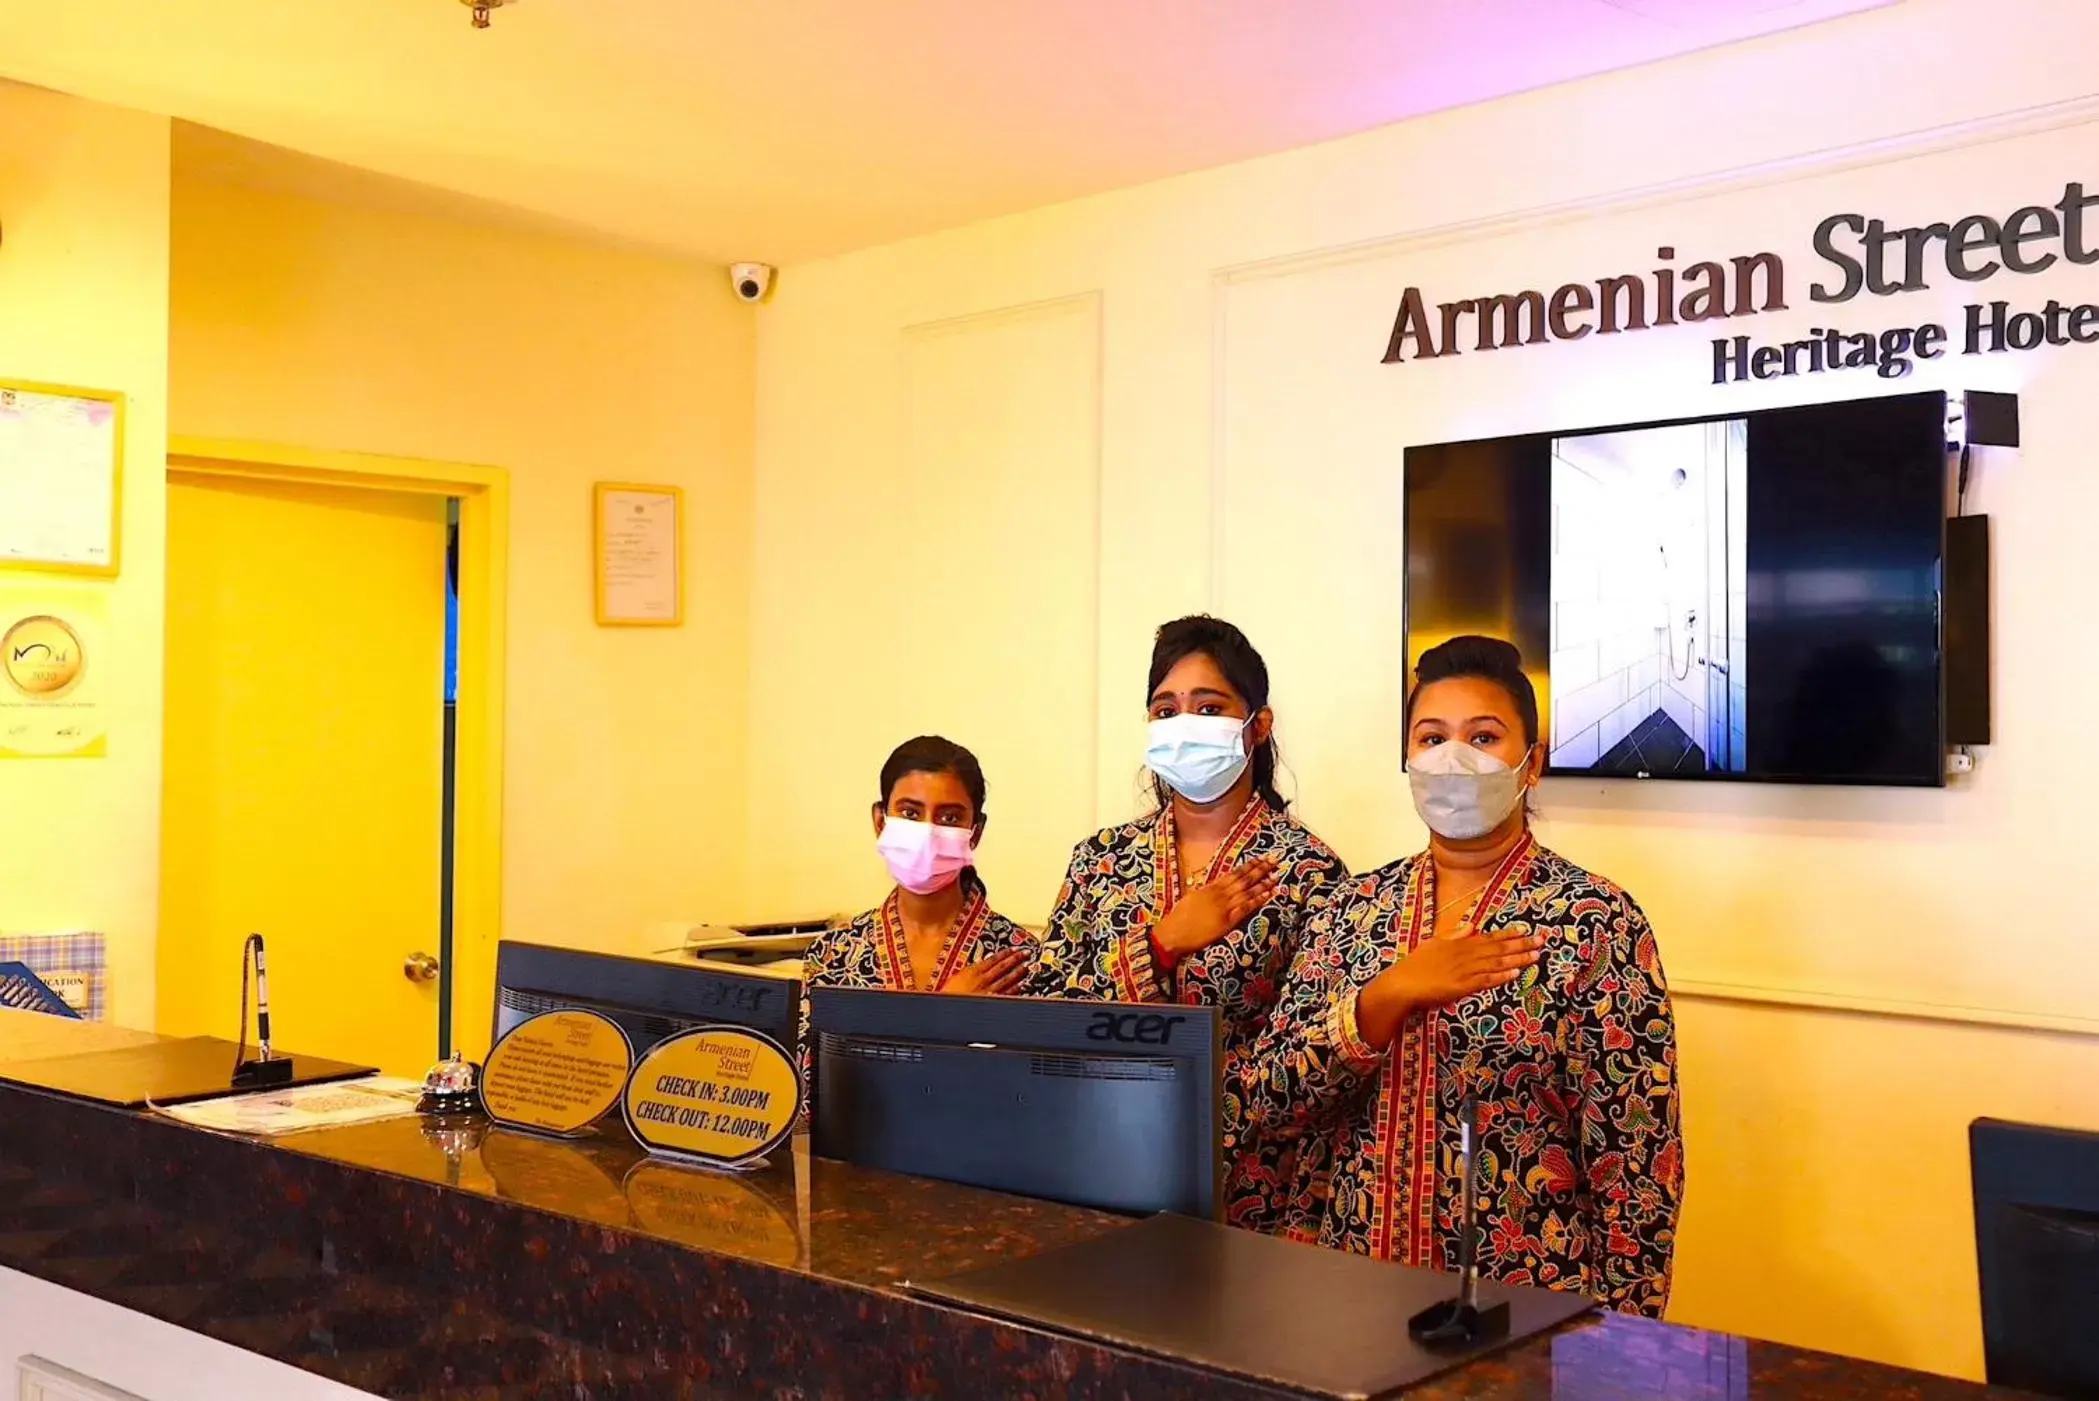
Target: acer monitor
pixel 1099 1104
pixel 2036 1193
pixel 650 998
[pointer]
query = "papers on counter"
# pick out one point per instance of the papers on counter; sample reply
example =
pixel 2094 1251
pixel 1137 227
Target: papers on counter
pixel 273 1113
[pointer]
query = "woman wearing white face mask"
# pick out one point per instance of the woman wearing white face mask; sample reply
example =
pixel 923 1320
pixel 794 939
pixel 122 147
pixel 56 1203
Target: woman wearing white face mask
pixel 1489 970
pixel 936 931
pixel 1203 900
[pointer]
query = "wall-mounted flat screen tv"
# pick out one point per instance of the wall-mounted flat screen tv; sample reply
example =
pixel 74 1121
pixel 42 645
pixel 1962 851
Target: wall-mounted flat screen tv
pixel 1752 597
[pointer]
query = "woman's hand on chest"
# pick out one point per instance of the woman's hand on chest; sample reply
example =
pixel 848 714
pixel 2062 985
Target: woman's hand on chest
pixel 1440 973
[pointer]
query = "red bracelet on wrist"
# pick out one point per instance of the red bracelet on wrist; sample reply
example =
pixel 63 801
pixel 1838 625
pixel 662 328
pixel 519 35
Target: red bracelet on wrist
pixel 1161 956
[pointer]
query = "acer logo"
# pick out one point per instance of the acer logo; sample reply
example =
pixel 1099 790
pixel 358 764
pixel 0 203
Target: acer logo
pixel 743 997
pixel 1139 1028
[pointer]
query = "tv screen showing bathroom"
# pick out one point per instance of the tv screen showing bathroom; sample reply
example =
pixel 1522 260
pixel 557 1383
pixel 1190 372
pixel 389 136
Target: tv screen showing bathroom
pixel 1748 597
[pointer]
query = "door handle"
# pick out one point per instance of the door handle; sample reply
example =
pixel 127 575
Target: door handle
pixel 419 968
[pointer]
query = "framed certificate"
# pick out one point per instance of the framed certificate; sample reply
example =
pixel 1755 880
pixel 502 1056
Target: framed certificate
pixel 61 478
pixel 638 536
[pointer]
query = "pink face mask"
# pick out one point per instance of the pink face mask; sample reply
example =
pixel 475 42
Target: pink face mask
pixel 924 858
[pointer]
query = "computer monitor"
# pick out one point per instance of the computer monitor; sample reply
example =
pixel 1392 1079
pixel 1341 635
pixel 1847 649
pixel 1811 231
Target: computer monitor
pixel 2037 1253
pixel 650 998
pixel 1102 1104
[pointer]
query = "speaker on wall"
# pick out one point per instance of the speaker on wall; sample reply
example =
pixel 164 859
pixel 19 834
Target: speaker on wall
pixel 1965 630
pixel 1992 419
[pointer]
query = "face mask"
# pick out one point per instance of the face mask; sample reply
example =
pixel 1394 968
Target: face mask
pixel 924 858
pixel 1198 756
pixel 1462 791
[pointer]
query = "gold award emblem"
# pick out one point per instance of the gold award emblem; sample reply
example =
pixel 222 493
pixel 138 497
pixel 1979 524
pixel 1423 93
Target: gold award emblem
pixel 721 1095
pixel 42 657
pixel 557 1073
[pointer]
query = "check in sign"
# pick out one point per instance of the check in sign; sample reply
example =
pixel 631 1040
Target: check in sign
pixel 718 1095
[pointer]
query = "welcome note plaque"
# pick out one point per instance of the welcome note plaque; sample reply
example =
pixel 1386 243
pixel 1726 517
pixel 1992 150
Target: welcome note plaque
pixel 718 1095
pixel 558 1073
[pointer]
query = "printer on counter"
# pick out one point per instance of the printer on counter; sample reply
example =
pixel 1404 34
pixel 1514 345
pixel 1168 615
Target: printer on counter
pixel 774 947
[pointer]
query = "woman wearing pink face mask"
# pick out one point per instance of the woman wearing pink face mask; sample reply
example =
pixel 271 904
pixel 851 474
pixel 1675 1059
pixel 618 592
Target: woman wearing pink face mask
pixel 936 932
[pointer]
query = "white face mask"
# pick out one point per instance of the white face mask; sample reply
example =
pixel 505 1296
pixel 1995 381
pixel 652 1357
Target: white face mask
pixel 1198 756
pixel 1462 791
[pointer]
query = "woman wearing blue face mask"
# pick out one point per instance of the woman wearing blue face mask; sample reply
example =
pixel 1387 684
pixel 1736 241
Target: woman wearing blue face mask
pixel 1202 901
pixel 1489 971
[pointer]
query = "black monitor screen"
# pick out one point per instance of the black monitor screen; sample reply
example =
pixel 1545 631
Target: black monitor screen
pixel 649 998
pixel 1107 1105
pixel 2036 1196
pixel 1749 597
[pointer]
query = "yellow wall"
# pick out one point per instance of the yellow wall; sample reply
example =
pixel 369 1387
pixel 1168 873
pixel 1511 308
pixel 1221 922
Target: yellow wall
pixel 84 300
pixel 1247 459
pixel 333 326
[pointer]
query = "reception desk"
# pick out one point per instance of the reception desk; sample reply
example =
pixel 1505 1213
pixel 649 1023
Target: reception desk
pixel 505 1266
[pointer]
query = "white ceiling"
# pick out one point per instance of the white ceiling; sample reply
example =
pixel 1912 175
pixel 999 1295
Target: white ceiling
pixel 790 129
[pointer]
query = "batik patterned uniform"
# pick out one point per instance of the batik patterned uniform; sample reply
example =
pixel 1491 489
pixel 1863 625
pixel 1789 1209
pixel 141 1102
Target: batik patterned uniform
pixel 1122 882
pixel 873 952
pixel 1573 1068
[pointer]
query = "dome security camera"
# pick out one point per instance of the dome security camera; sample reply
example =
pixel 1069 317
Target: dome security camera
pixel 752 282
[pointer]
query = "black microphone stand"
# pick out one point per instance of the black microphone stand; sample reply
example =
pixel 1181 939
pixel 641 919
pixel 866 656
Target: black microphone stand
pixel 1461 1323
pixel 267 1069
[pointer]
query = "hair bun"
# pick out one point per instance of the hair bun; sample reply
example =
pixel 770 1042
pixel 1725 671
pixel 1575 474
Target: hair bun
pixel 1469 656
pixel 1486 659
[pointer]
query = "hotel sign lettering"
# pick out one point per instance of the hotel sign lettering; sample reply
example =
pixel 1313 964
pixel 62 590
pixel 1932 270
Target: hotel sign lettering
pixel 1855 255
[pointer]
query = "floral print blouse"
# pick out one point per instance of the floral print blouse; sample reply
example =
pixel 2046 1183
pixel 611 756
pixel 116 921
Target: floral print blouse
pixel 1121 883
pixel 1572 1069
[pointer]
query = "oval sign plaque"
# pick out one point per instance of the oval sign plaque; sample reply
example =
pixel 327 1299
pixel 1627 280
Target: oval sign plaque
pixel 557 1073
pixel 718 1095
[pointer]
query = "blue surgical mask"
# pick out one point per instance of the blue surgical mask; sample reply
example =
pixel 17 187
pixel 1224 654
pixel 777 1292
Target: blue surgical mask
pixel 1199 757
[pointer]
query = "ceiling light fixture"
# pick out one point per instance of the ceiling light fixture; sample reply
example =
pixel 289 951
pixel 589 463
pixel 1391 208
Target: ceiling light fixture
pixel 481 9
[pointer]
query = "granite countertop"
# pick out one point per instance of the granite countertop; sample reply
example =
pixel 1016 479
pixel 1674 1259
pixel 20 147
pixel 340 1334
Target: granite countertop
pixel 497 1266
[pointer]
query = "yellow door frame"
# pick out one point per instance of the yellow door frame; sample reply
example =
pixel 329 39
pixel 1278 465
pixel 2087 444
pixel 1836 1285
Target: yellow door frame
pixel 484 592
